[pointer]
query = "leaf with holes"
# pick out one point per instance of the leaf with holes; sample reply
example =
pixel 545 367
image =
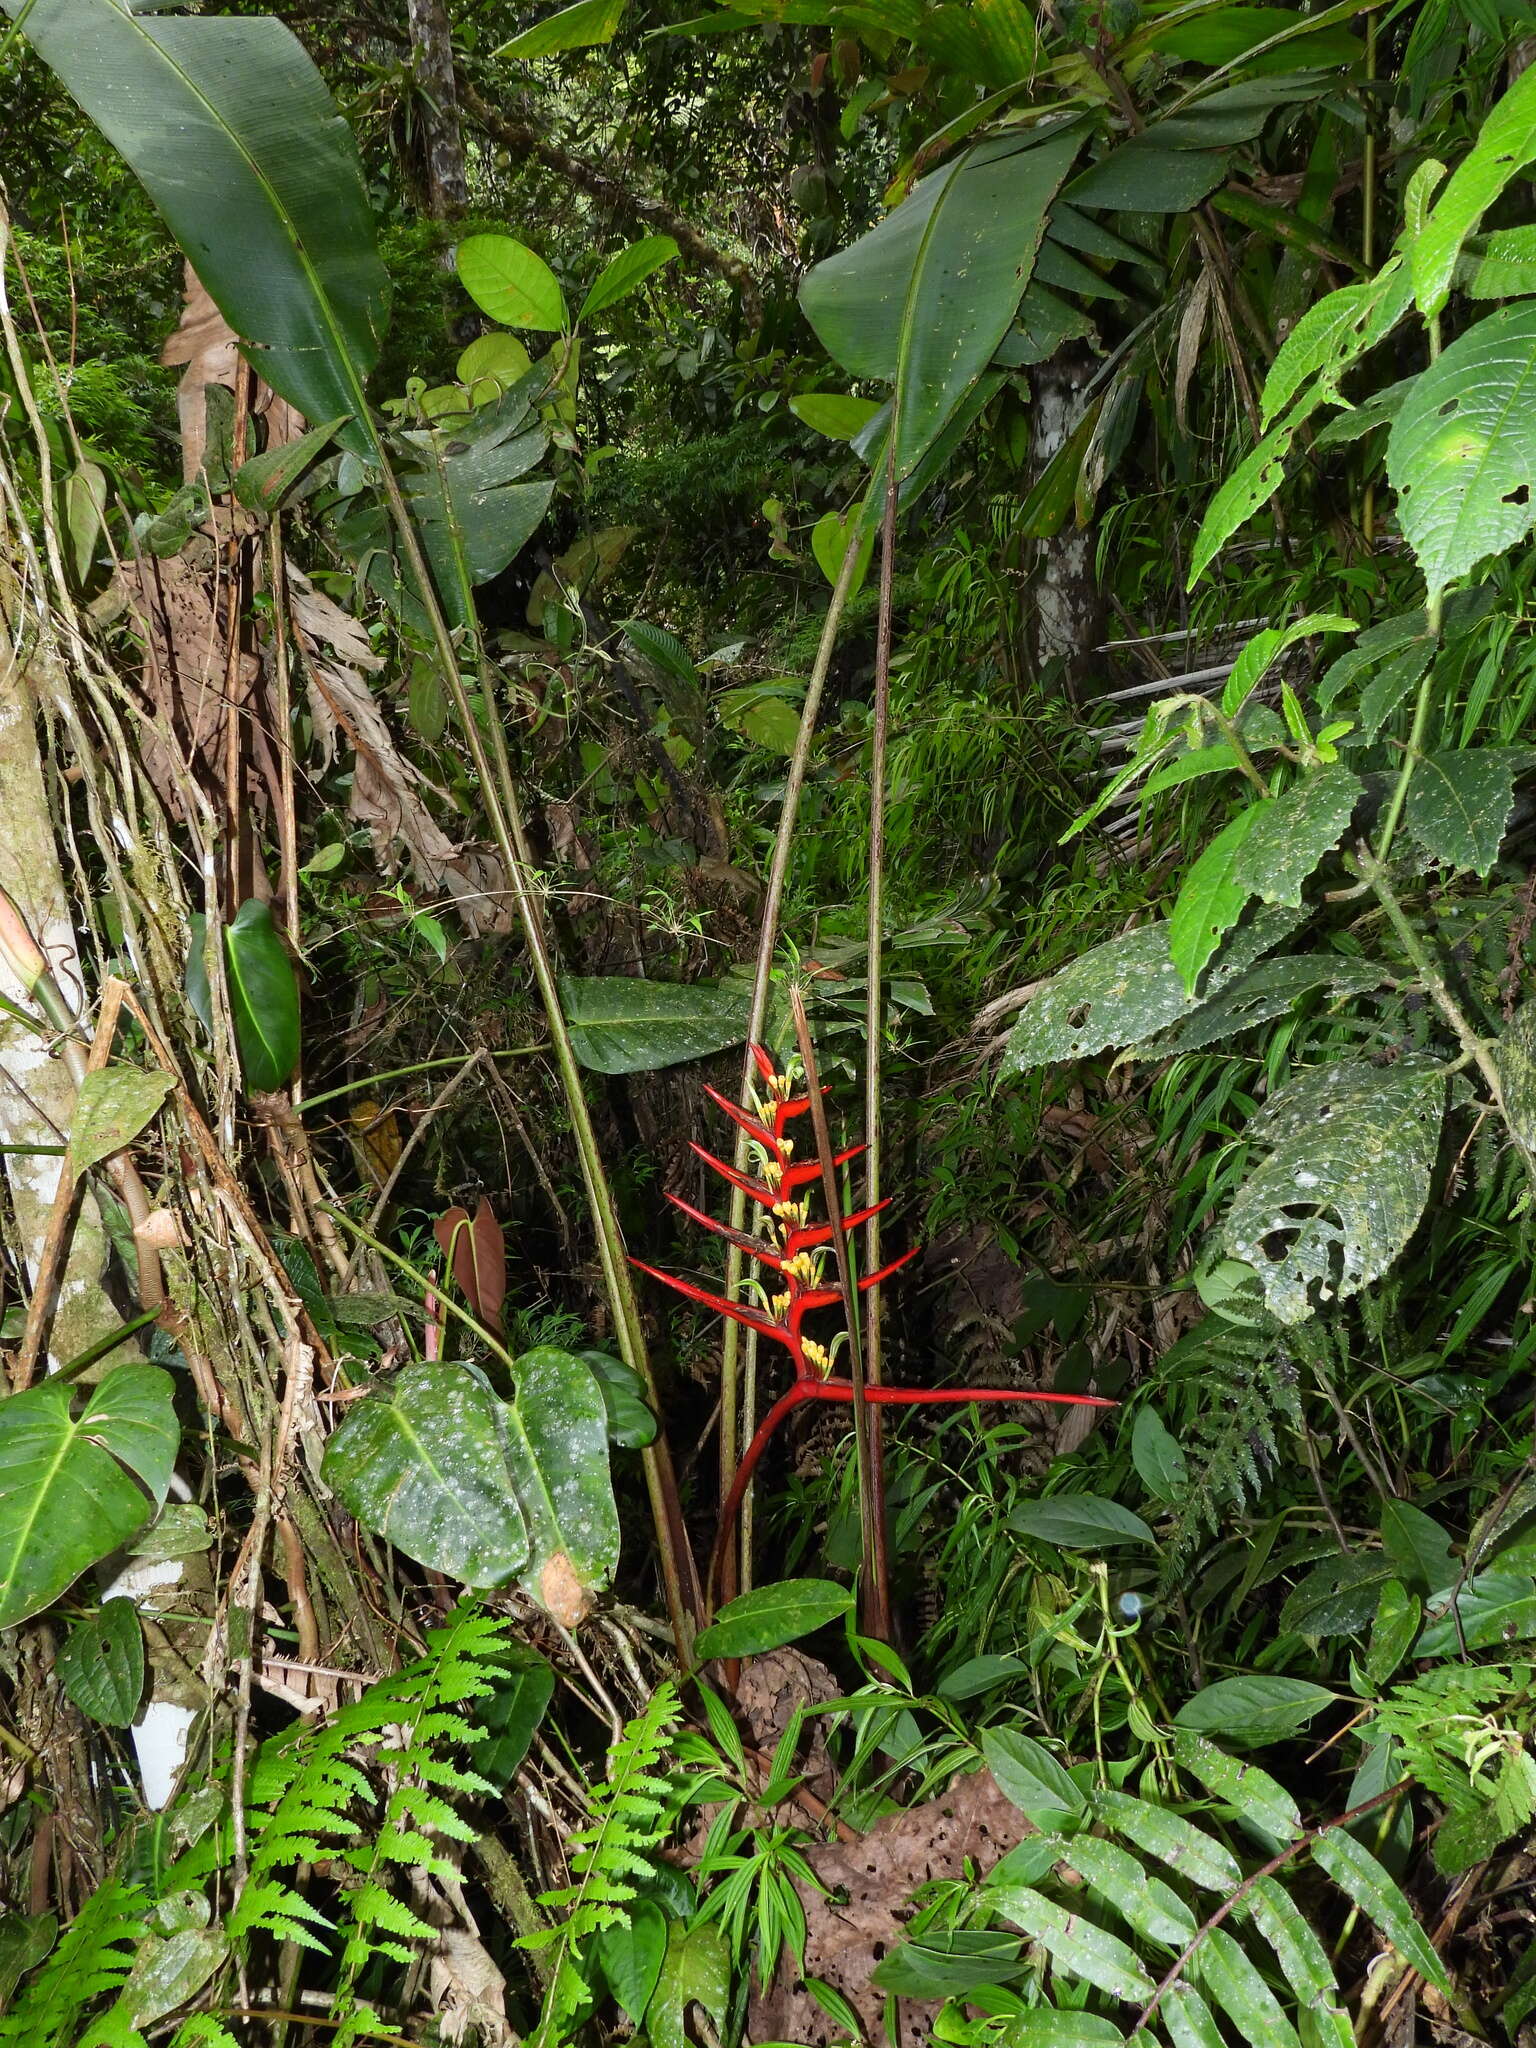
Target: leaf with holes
pixel 101 1665
pixel 1334 333
pixel 1516 1057
pixel 1126 990
pixel 1293 832
pixel 1506 143
pixel 1339 1596
pixel 1462 452
pixel 1210 901
pixel 1075 1945
pixel 1459 803
pixel 1344 1184
pixel 1265 992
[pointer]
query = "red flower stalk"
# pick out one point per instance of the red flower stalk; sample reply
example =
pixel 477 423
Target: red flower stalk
pixel 793 1250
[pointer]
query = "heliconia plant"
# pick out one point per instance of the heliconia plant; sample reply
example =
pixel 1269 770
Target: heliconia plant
pixel 793 1250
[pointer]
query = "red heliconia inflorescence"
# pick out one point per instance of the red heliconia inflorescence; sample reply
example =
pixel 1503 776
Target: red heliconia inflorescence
pixel 795 1250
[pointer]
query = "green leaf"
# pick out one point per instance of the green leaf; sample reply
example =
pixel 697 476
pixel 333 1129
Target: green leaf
pixel 1191 2023
pixel 832 414
pixel 25 1938
pixel 1030 1777
pixel 767 714
pixel 1459 803
pixel 1173 1840
pixel 263 998
pixel 66 1494
pixel 1218 36
pixel 924 299
pixel 1223 1971
pixel 1302 1958
pixel 1379 410
pixel 627 271
pixel 1252 484
pixel 630 1422
pixel 236 139
pixel 1266 991
pixel 1253 1711
pixel 994 42
pixel 1492 1609
pixel 166 1973
pixel 1462 452
pixel 581 27
pixel 460 486
pixel 1506 143
pixel 1260 1803
pixel 661 650
pixel 112 1108
pixel 1506 266
pixel 1399 1615
pixel 1261 653
pixel 1210 900
pixel 1337 1597
pixel 770 1616
pixel 949 1962
pixel 1125 991
pixel 1075 1946
pixel 830 538
pixel 696 1971
pixel 1357 1874
pixel 524 1687
pixel 1148 1906
pixel 1158 1456
pixel 631 1956
pixel 1291 833
pixel 1052 2028
pixel 556 1435
pixel 1417 1545
pixel 1333 334
pixel 101 1665
pixel 622 1025
pixel 1379 652
pixel 1079 1521
pixel 1344 1184
pixel 264 482
pixel 422 1462
pixel 1143 177
pixel 980 1674
pixel 510 283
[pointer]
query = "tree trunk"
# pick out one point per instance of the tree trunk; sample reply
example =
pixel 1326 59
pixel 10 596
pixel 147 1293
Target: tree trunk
pixel 1065 616
pixel 432 59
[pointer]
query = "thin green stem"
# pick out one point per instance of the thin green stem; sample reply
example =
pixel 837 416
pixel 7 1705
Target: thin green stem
pixel 511 1052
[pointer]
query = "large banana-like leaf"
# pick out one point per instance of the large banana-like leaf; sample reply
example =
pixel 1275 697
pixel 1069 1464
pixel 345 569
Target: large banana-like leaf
pixel 238 142
pixel 924 299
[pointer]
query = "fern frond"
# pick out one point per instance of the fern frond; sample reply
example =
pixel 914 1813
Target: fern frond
pixel 1232 1436
pixel 93 1956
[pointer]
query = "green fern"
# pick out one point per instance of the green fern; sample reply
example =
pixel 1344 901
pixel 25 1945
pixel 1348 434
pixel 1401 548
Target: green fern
pixel 94 1955
pixel 628 1821
pixel 1231 1434
pixel 1455 1731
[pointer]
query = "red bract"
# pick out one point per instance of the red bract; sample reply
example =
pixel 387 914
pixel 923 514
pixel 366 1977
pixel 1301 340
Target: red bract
pixel 792 1250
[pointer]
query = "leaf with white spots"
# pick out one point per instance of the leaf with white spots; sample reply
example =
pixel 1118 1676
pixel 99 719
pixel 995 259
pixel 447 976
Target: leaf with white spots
pixel 1195 1855
pixel 1459 803
pixel 1344 1184
pixel 1462 452
pixel 1266 991
pixel 1124 991
pixel 1075 1945
pixel 557 1452
pixel 1291 834
pixel 113 1106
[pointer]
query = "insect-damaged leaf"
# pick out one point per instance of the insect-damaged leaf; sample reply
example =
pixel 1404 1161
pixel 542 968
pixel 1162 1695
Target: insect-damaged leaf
pixel 113 1106
pixel 1291 833
pixel 1459 803
pixel 1124 991
pixel 1344 1184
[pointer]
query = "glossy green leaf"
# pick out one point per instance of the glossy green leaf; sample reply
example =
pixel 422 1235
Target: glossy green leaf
pixel 661 650
pixel 1459 803
pixel 631 1956
pixel 1505 267
pixel 1142 176
pixel 994 42
pixel 1344 1183
pixel 623 1025
pixel 263 998
pixel 1260 1803
pixel 949 1962
pixel 556 1436
pixel 1492 1609
pixel 923 300
pixel 770 1616
pixel 1301 1955
pixel 1079 1521
pixel 1253 1711
pixel 695 1971
pixel 1211 898
pixel 630 1422
pixel 262 483
pixel 1333 334
pixel 511 283
pixel 1339 1596
pixel 1127 990
pixel 1399 1616
pixel 1195 1855
pixel 580 27
pixel 1418 1546
pixel 1223 1971
pixel 1291 834
pixel 113 1106
pixel 981 1674
pixel 511 1714
pixel 1158 1456
pixel 830 539
pixel 1030 1777
pixel 832 413
pixel 1505 144
pixel 1357 1874
pixel 232 132
pixel 626 272
pixel 1189 2020
pixel 1217 36
pixel 1052 2028
pixel 1462 452
pixel 462 489
pixel 1148 1906
pixel 73 1487
pixel 1075 1945
pixel 101 1665
pixel 25 1938
pixel 168 1972
pixel 423 1463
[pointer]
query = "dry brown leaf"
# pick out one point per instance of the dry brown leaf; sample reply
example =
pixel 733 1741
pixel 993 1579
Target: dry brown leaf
pixel 205 343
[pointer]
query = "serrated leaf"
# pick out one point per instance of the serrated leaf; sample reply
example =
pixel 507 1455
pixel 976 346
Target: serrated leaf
pixel 1251 485
pixel 1260 654
pixel 101 1665
pixel 1255 1710
pixel 1195 1855
pixel 1030 1777
pixel 1505 144
pixel 1345 1181
pixel 1338 1596
pixel 111 1109
pixel 1357 1874
pixel 1515 1054
pixel 1211 899
pixel 1334 333
pixel 1462 452
pixel 1459 803
pixel 1075 1946
pixel 1291 833
pixel 1224 1972
pixel 1126 990
pixel 1401 646
pixel 1264 992
pixel 622 1025
pixel 1255 1797
pixel 1505 267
